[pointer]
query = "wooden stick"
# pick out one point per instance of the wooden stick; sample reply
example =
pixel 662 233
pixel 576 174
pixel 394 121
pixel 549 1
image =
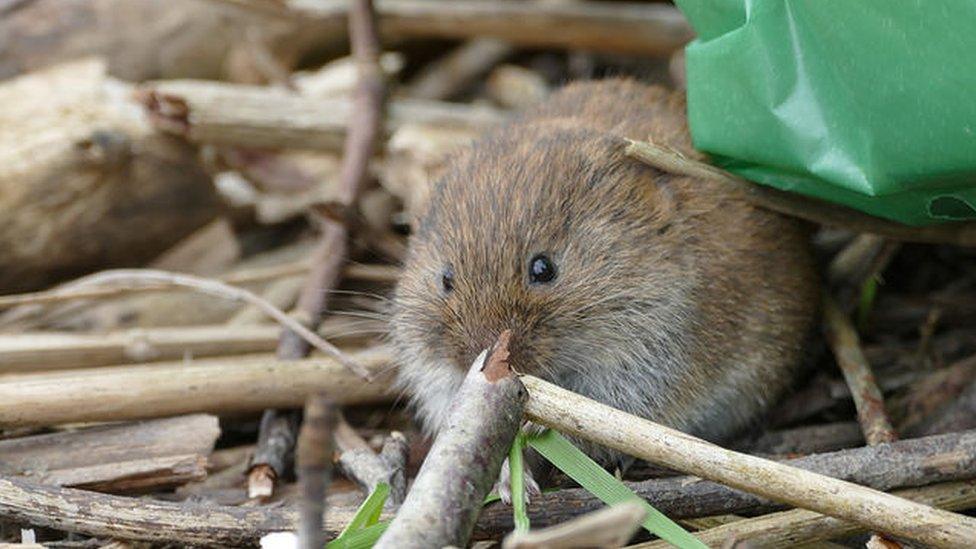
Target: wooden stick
pixel 314 468
pixel 395 453
pixel 808 439
pixel 846 346
pixel 900 464
pixel 35 351
pixel 252 116
pixel 451 74
pixel 107 516
pixel 135 476
pixel 612 27
pixel 465 459
pixel 277 434
pixel 868 399
pixel 128 518
pixel 610 527
pixel 360 463
pixel 229 385
pixel 136 277
pixel 790 528
pixel 851 264
pixel 281 293
pixel 116 458
pixel 817 211
pixel 332 251
pixel 79 290
pixel 573 414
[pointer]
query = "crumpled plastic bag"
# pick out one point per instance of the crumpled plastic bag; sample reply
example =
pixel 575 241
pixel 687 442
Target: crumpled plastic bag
pixel 870 104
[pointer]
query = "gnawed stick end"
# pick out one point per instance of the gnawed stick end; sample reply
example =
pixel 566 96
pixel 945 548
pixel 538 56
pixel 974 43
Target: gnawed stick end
pixel 496 365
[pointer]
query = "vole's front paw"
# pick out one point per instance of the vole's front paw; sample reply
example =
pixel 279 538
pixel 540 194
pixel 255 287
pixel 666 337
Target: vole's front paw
pixel 504 484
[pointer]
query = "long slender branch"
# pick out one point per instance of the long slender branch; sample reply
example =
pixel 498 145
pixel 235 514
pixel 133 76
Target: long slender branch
pixel 314 468
pixel 37 351
pixel 614 27
pixel 560 409
pixel 789 528
pixel 141 519
pixel 81 289
pixel 825 213
pixel 136 277
pixel 225 385
pixel 361 137
pixel 252 116
pixel 868 399
pixel 906 463
pixel 144 519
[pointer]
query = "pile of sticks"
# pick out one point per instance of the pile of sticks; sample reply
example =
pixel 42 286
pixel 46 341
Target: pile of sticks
pixel 199 229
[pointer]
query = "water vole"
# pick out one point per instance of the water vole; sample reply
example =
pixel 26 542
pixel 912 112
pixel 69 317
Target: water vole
pixel 668 297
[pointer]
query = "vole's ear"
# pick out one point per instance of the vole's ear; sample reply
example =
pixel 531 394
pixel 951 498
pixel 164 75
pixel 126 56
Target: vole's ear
pixel 652 187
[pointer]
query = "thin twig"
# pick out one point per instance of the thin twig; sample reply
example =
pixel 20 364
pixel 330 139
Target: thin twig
pixel 360 463
pixel 34 351
pixel 137 277
pixel 331 253
pixel 314 468
pixel 579 416
pixel 868 399
pixel 79 289
pixel 817 211
pixel 902 464
pixel 790 528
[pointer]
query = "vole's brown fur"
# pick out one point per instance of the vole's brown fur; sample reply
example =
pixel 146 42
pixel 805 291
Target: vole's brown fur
pixel 675 299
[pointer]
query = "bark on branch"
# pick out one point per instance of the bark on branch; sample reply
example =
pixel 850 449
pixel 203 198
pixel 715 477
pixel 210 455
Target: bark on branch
pixel 445 499
pixel 238 384
pixel 576 415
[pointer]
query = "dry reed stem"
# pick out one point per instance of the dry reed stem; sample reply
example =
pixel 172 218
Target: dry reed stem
pixel 799 526
pixel 362 135
pixel 314 468
pixel 576 415
pixel 846 346
pixel 611 27
pixel 817 211
pixel 47 350
pixel 79 289
pixel 137 277
pixel 223 386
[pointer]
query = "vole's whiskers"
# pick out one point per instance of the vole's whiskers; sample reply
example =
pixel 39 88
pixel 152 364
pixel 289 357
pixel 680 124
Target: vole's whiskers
pixel 360 293
pixel 368 315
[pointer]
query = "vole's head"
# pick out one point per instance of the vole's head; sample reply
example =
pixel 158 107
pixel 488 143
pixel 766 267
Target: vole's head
pixel 552 232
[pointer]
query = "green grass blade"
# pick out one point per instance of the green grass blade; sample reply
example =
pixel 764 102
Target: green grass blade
pixel 516 468
pixel 596 480
pixel 369 511
pixel 364 538
pixel 869 291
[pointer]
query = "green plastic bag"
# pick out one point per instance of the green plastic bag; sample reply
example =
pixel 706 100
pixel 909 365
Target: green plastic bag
pixel 868 103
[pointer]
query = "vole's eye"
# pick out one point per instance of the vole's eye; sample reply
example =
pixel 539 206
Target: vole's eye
pixel 447 279
pixel 541 269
